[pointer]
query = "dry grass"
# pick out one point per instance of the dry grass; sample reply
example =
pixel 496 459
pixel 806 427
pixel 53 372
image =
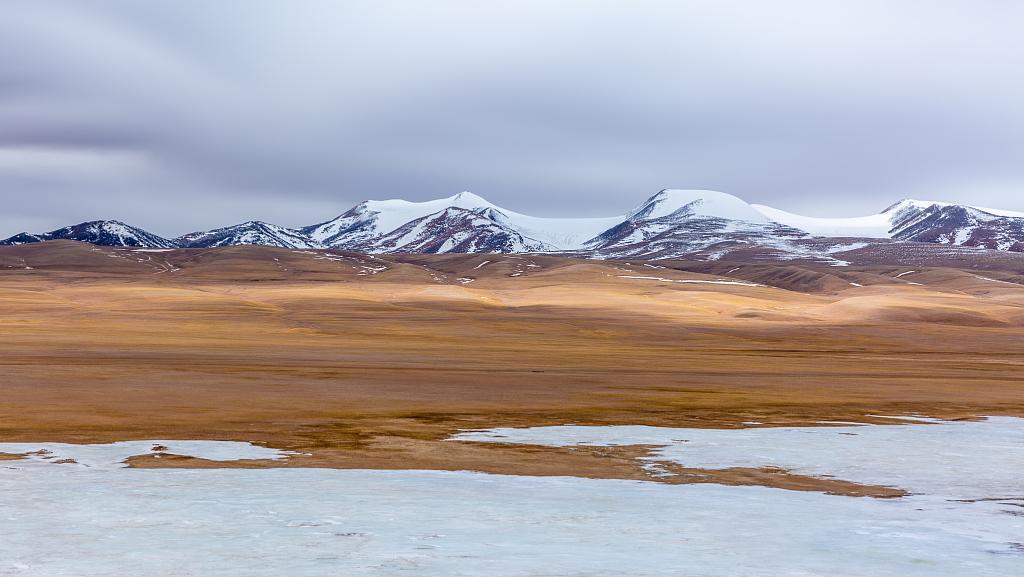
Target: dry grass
pixel 376 370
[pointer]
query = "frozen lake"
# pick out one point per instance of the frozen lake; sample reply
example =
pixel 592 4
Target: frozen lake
pixel 95 518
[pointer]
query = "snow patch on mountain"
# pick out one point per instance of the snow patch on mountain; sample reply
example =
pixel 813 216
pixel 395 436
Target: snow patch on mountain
pixel 872 226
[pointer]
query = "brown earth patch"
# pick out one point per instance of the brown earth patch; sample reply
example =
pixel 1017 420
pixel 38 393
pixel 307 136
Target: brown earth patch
pixel 779 479
pixel 622 462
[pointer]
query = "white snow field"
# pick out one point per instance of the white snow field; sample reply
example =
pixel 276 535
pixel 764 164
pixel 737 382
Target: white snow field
pixel 955 459
pixel 113 455
pixel 103 520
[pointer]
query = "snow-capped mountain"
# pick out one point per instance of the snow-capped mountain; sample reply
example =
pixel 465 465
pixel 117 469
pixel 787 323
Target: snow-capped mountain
pixel 696 204
pixel 922 221
pixel 456 230
pixel 700 224
pixel 101 232
pixel 677 222
pixel 371 220
pixel 252 232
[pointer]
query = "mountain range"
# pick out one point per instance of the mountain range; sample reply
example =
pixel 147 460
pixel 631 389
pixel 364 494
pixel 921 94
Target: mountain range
pixel 671 223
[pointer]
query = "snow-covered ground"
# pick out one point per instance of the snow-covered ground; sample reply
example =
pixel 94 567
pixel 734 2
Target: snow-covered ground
pixel 113 455
pixel 871 226
pixel 67 520
pixel 958 460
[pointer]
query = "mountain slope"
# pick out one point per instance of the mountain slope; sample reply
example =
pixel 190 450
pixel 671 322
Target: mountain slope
pixel 455 230
pixel 252 232
pixel 962 226
pixel 98 232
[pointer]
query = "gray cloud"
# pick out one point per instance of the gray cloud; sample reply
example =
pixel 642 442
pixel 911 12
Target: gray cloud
pixel 187 115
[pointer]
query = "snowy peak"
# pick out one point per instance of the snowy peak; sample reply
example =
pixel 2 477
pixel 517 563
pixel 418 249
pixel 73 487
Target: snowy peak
pixel 456 229
pixel 911 204
pixel 696 204
pixel 390 214
pixel 252 232
pixel 677 222
pixel 99 232
pixel 466 199
pixel 373 219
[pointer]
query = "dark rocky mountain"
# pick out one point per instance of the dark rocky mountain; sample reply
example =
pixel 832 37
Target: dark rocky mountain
pixel 99 232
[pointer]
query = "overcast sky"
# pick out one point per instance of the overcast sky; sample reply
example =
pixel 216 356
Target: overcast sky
pixel 185 115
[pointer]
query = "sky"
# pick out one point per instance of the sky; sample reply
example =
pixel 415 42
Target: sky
pixel 188 115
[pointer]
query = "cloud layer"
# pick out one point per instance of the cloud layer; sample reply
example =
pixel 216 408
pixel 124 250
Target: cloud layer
pixel 187 115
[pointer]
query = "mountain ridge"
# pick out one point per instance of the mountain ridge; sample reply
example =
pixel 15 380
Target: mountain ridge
pixel 670 223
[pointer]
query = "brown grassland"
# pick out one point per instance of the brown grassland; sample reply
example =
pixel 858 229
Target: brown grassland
pixel 372 362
